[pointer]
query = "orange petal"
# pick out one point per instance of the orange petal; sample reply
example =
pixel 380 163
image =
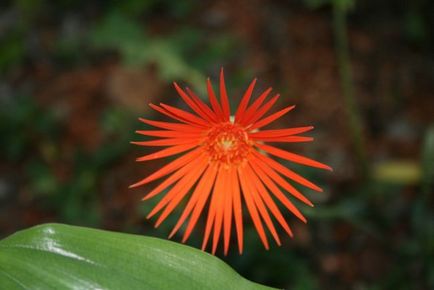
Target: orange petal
pixel 215 198
pixel 279 132
pixel 171 126
pixel 178 190
pixel 259 203
pixel 227 215
pixel 271 118
pixel 195 175
pixel 263 192
pixel 202 189
pixel 172 166
pixel 213 100
pixel 169 134
pixel 252 109
pixel 224 97
pixel 264 109
pixel 202 198
pixel 172 178
pixel 276 191
pixel 290 139
pixel 174 116
pixel 287 172
pixel 283 183
pixel 219 191
pixel 193 105
pixel 245 100
pixel 251 207
pixel 202 105
pixel 185 115
pixel 165 142
pixel 291 156
pixel 238 213
pixel 168 151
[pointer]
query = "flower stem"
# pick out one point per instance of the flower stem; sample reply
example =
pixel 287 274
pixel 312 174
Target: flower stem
pixel 346 79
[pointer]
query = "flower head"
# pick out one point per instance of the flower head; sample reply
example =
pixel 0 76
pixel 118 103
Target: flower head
pixel 225 161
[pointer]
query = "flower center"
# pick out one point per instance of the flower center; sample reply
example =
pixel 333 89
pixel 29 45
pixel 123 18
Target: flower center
pixel 227 143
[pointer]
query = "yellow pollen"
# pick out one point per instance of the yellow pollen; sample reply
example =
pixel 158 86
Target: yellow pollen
pixel 227 143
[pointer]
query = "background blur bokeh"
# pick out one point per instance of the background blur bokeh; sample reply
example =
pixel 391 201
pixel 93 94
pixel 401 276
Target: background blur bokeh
pixel 75 75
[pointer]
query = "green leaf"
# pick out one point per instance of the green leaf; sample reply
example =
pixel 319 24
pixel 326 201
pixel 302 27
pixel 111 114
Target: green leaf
pixel 56 256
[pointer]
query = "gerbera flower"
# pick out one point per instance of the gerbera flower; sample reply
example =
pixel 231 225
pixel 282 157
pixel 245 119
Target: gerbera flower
pixel 225 162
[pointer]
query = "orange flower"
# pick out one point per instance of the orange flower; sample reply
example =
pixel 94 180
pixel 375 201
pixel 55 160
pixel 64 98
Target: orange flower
pixel 225 160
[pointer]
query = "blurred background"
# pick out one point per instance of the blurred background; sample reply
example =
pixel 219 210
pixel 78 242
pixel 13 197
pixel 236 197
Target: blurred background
pixel 75 75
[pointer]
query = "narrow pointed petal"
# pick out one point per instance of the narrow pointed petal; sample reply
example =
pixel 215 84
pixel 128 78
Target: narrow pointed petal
pixel 172 178
pixel 165 142
pixel 202 189
pixel 279 132
pixel 267 120
pixel 192 104
pixel 177 192
pixel 287 172
pixel 260 205
pixel 195 175
pixel 212 208
pixel 219 191
pixel 224 97
pixel 238 213
pixel 292 157
pixel 290 139
pixel 185 115
pixel 202 198
pixel 169 134
pixel 263 110
pixel 202 105
pixel 283 183
pixel 174 116
pixel 227 215
pixel 252 109
pixel 168 151
pixel 169 168
pixel 171 126
pixel 245 100
pixel 277 192
pixel 180 186
pixel 213 100
pixel 263 192
pixel 167 182
pixel 251 207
